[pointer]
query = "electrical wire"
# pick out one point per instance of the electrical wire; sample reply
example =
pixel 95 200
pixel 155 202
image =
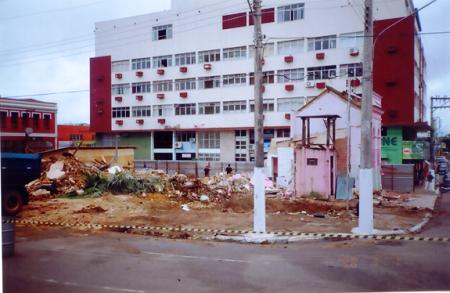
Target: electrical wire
pixel 175 32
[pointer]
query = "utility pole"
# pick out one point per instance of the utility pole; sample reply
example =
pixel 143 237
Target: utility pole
pixel 365 223
pixel 437 102
pixel 259 200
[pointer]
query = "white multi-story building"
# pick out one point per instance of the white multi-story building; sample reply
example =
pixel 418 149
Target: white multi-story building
pixel 178 84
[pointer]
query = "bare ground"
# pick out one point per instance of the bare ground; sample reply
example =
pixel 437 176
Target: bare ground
pixel 304 215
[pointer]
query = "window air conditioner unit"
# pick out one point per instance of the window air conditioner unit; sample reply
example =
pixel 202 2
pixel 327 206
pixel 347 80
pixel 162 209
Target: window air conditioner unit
pixel 354 52
pixel 310 84
pixel 192 139
pixel 178 145
pixel 332 75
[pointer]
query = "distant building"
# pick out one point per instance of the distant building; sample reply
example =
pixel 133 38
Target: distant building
pixel 179 84
pixel 72 134
pixel 27 125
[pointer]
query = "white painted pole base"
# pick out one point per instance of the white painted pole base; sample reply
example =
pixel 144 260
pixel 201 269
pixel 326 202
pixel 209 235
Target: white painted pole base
pixel 365 220
pixel 259 201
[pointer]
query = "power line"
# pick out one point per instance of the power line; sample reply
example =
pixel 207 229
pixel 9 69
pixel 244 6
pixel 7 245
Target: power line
pixel 50 11
pixel 121 40
pixel 46 94
pixel 134 28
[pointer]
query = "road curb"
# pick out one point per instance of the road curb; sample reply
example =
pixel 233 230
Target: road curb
pixel 330 236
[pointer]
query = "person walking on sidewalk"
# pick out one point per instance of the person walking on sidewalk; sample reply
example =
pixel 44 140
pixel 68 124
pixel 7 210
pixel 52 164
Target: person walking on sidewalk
pixel 207 169
pixel 228 169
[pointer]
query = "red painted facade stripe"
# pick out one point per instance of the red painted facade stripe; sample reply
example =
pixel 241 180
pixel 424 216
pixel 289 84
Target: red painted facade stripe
pixel 234 20
pixel 268 16
pixel 393 70
pixel 100 87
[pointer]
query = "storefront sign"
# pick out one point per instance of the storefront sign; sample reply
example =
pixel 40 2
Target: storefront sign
pixel 413 150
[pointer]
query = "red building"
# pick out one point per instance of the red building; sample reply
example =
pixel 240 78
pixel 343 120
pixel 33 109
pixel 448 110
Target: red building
pixel 27 125
pixel 398 74
pixel 71 134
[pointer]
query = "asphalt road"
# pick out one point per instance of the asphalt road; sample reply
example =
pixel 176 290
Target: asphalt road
pixel 57 260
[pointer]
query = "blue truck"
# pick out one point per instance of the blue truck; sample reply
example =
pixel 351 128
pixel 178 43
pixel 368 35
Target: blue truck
pixel 17 171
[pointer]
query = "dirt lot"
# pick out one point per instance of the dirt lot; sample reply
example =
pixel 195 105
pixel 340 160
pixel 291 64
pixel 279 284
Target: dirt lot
pixel 156 209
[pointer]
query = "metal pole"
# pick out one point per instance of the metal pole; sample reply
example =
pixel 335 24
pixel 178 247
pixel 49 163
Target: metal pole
pixel 349 97
pixel 432 132
pixel 259 204
pixel 365 223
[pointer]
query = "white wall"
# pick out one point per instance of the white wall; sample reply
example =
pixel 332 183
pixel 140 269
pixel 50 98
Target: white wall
pixel 197 25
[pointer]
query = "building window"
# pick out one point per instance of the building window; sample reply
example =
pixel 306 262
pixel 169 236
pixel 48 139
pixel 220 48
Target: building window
pixel 235 106
pixel 14 120
pixel 268 77
pixel 209 56
pixel 141 63
pixel 235 53
pixel 3 116
pixel 47 118
pixel 351 40
pixel 121 89
pixel 120 112
pixel 208 82
pixel 36 118
pixel 234 79
pixel 185 59
pixel 290 12
pixel 268 50
pixel 162 32
pixel 140 87
pixel 141 111
pixel 284 132
pixel 291 75
pixel 209 108
pixel 208 157
pixel 76 137
pixel 120 66
pixel 290 104
pixel 351 70
pixel 162 61
pixel 162 86
pixel 240 145
pixel 322 43
pixel 322 72
pixel 290 47
pixel 268 105
pixel 185 136
pixel 162 110
pixel 185 84
pixel 25 119
pixel 209 140
pixel 185 109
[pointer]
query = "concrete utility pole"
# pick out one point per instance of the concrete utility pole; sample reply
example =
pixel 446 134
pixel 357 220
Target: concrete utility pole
pixel 365 223
pixel 259 200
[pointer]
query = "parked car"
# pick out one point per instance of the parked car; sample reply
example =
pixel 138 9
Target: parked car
pixel 445 185
pixel 17 170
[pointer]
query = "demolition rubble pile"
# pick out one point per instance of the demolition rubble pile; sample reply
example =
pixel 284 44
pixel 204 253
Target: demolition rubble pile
pixel 390 198
pixel 71 176
pixel 215 188
pixel 61 177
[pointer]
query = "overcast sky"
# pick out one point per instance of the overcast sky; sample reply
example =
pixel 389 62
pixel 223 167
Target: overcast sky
pixel 45 46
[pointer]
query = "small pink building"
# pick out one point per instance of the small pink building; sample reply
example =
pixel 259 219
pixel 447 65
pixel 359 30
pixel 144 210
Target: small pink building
pixel 333 160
